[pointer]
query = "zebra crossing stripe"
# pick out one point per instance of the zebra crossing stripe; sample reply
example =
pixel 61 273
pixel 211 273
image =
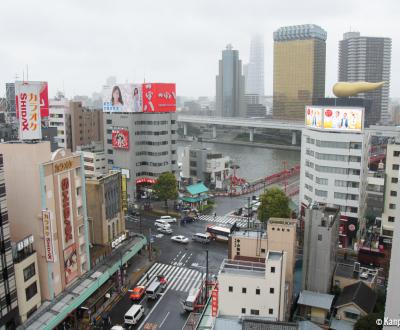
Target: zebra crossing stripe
pixel 191 282
pixel 187 280
pixel 198 281
pixel 183 277
pixel 151 270
pixel 170 278
pixel 174 281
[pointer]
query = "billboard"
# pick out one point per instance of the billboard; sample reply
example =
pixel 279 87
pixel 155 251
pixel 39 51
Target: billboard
pixel 48 236
pixel 27 98
pixel 214 302
pixel 122 98
pixel 67 231
pixel 335 118
pixel 124 193
pixel 70 263
pixel 120 138
pixel 43 88
pixel 159 97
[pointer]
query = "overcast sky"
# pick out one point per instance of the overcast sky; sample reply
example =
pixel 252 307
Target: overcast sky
pixel 76 44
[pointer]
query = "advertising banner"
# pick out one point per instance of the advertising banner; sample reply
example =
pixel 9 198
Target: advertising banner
pixel 214 303
pixel 335 118
pixel 120 138
pixel 159 97
pixel 42 87
pixel 70 263
pixel 27 98
pixel 66 211
pixel 122 98
pixel 124 193
pixel 48 236
pixel 145 180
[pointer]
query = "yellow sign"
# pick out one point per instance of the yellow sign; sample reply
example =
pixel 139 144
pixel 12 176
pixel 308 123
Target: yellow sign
pixel 124 193
pixel 63 166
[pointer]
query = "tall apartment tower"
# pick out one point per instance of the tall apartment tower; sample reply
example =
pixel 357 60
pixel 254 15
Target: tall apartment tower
pixel 8 290
pixel 255 67
pixel 320 243
pixel 299 69
pixel 10 105
pixel 368 59
pixel 230 85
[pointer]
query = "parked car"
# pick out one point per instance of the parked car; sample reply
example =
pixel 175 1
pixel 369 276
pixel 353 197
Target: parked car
pixel 167 218
pixel 137 293
pixel 180 239
pixel 164 230
pixel 188 218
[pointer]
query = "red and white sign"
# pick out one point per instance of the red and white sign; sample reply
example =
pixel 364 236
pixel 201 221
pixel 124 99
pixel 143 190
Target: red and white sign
pixel 120 139
pixel 66 210
pixel 27 101
pixel 48 236
pixel 145 180
pixel 159 97
pixel 214 303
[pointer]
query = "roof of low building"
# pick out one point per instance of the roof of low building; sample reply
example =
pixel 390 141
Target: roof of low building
pixel 360 294
pixel 316 299
pixel 197 188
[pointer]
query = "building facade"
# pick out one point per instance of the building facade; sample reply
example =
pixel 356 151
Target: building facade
pixel 105 209
pixel 8 288
pixel 253 288
pixel 230 87
pixel 11 113
pixel 299 69
pixel 333 171
pixel 255 67
pixel 60 117
pixel 368 59
pixel 94 160
pixel 150 148
pixel 392 193
pixel 26 277
pixel 321 227
pixel 55 214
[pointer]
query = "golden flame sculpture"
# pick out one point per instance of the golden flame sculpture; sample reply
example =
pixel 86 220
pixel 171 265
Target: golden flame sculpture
pixel 345 89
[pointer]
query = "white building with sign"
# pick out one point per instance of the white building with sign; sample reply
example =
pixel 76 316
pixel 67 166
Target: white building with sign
pixel 334 164
pixel 46 198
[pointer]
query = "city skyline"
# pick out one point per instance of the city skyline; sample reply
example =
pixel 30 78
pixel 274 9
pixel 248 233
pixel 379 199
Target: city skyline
pixel 79 61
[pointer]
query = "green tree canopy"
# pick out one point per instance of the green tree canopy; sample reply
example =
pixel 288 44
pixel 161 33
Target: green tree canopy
pixel 274 203
pixel 368 322
pixel 166 187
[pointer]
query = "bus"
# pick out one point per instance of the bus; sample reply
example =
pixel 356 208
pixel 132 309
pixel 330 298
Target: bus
pixel 190 302
pixel 221 233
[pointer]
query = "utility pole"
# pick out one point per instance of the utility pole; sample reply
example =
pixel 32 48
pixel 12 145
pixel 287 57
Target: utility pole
pixel 206 275
pixel 248 212
pixel 150 247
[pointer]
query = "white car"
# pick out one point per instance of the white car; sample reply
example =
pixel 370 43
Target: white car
pixel 164 230
pixel 167 218
pixel 180 239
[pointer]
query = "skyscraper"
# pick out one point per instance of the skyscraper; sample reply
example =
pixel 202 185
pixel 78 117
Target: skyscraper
pixel 299 69
pixel 230 85
pixel 368 59
pixel 255 67
pixel 10 98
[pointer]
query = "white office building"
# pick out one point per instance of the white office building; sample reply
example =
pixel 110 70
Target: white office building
pixel 60 117
pixel 391 206
pixel 333 168
pixel 253 288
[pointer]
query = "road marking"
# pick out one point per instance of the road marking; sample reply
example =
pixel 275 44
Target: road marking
pixel 185 280
pixel 192 281
pixel 184 274
pixel 161 324
pixel 174 281
pixel 180 260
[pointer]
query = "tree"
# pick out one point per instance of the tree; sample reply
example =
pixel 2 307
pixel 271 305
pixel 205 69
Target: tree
pixel 274 203
pixel 166 187
pixel 368 322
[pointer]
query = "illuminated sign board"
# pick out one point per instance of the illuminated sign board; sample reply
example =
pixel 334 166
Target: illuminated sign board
pixel 120 139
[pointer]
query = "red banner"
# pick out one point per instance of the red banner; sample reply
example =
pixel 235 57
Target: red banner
pixel 159 97
pixel 145 180
pixel 214 303
pixel 120 139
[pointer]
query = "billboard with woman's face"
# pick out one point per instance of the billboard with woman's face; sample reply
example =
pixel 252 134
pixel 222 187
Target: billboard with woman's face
pixel 122 98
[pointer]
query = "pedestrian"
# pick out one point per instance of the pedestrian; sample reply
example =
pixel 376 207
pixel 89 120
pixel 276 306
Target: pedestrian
pixel 147 277
pixel 109 320
pixel 215 215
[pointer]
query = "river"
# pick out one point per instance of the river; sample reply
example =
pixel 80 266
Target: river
pixel 254 162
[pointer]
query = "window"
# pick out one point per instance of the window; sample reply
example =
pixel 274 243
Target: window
pixel 321 193
pixel 109 121
pixel 258 291
pixel 391 219
pixel 309 175
pixel 110 152
pixel 272 269
pixel 31 291
pixel 393 193
pixel 392 206
pixel 270 311
pixel 395 180
pixel 29 272
pixel 254 312
pixel 244 290
pixel 321 181
pixel 351 315
pixel 109 141
pixel 31 311
pixel 110 161
pixel 395 167
pixel 319 237
pixel 396 153
pixel 262 250
pixel 243 310
pixel 230 289
pixel 271 290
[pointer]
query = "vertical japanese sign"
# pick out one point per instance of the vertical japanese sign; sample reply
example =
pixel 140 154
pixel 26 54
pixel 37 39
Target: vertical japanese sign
pixel 214 303
pixel 48 236
pixel 124 193
pixel 27 97
pixel 66 211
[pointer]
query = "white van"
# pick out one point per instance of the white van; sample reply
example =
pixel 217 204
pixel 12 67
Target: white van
pixel 162 223
pixel 133 315
pixel 153 290
pixel 201 237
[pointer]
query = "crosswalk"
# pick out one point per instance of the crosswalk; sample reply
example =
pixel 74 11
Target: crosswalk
pixel 228 220
pixel 178 278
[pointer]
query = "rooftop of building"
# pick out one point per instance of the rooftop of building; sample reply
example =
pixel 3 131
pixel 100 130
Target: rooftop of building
pixel 97 179
pixel 274 255
pixel 282 221
pixel 360 294
pixel 316 299
pixel 300 32
pixel 253 234
pixel 365 274
pixel 240 267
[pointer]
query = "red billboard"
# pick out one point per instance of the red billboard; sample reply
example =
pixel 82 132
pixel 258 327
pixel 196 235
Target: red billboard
pixel 159 97
pixel 120 138
pixel 43 95
pixel 145 180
